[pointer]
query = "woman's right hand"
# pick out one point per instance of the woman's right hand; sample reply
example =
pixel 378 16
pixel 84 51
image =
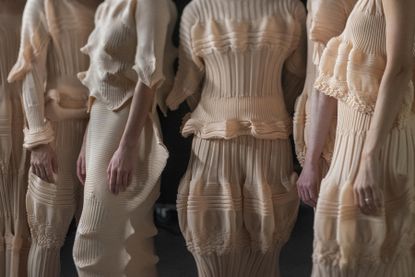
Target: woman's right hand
pixel 81 166
pixel 44 163
pixel 308 183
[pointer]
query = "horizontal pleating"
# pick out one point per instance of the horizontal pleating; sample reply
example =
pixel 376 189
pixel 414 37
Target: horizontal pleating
pixel 350 74
pixel 228 34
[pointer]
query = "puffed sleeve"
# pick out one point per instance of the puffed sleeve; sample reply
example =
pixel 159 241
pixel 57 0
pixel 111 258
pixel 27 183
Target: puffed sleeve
pixel 295 66
pixel 31 69
pixel 191 67
pixel 152 20
pixel 329 20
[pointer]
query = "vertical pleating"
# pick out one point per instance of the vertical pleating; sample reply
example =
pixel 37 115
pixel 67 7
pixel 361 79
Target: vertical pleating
pixel 237 205
pixel 51 207
pixel 115 233
pixel 14 231
pixel 349 243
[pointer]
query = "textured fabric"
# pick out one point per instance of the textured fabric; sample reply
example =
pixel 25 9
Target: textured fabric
pixel 132 40
pixel 55 107
pixel 52 207
pixel 115 233
pixel 352 65
pixel 237 205
pixel 349 243
pixel 48 61
pixel 232 57
pixel 14 231
pixel 325 19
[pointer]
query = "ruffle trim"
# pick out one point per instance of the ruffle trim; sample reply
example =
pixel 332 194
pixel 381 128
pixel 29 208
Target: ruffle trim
pixel 229 129
pixel 350 74
pixel 43 135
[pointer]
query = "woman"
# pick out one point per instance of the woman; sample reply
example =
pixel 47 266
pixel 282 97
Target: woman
pixel 237 202
pixel 14 231
pixel 123 155
pixel 365 217
pixel 325 20
pixel 54 103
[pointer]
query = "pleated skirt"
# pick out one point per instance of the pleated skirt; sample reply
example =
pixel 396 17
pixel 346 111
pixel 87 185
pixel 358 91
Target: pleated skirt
pixel 237 205
pixel 349 243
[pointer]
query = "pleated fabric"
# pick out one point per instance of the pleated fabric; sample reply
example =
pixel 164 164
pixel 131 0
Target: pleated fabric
pixel 51 207
pixel 14 231
pixel 115 233
pixel 349 243
pixel 237 205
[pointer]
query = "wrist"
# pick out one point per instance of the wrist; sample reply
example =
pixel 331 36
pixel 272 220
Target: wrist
pixel 128 145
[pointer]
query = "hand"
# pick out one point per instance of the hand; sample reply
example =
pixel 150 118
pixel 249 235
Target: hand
pixel 121 168
pixel 81 166
pixel 367 191
pixel 44 163
pixel 308 183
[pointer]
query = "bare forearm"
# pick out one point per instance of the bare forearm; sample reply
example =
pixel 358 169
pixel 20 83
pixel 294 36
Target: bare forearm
pixel 388 106
pixel 322 114
pixel 141 105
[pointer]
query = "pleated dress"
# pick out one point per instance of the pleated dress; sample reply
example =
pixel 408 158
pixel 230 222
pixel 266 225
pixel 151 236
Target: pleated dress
pixel 347 242
pixel 237 203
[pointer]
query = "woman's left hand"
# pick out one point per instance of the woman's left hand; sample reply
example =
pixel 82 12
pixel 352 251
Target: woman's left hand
pixel 367 186
pixel 120 169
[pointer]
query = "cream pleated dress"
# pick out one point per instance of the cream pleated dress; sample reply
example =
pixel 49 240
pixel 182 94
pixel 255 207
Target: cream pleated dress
pixel 131 42
pixel 325 19
pixel 237 202
pixel 14 230
pixel 347 242
pixel 54 103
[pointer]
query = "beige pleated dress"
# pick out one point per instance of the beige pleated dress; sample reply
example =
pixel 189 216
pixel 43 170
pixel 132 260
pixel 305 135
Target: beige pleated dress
pixel 54 101
pixel 347 242
pixel 131 42
pixel 237 202
pixel 14 230
pixel 325 19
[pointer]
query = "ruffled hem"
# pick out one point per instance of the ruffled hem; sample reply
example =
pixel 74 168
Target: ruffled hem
pixel 229 129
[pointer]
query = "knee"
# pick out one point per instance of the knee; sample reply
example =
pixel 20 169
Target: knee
pixel 46 235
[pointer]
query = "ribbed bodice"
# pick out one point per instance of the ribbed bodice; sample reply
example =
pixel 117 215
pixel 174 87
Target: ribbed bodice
pixel 232 58
pixel 352 65
pixel 59 28
pixel 131 41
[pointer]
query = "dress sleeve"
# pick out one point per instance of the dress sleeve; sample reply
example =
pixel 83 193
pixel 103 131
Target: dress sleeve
pixel 152 21
pixel 191 67
pixel 295 66
pixel 31 69
pixel 328 21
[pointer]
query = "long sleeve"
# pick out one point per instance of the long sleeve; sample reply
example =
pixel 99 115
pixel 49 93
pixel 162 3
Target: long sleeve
pixel 295 66
pixel 191 68
pixel 31 69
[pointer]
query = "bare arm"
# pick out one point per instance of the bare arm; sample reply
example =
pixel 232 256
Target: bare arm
pixel 400 27
pixel 322 114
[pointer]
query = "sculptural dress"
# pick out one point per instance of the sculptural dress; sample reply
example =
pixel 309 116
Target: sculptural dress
pixel 241 65
pixel 348 242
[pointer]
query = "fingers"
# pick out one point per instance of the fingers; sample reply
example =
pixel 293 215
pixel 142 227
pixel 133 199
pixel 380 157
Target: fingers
pixel 120 181
pixel 112 179
pixel 49 172
pixel 81 170
pixel 369 199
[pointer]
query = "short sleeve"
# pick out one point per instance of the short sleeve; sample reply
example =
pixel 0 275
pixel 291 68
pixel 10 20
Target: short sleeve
pixel 34 39
pixel 328 20
pixel 295 66
pixel 191 67
pixel 152 21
